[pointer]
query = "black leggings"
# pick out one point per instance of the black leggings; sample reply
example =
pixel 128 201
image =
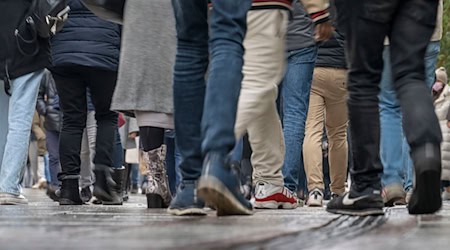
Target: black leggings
pixel 151 137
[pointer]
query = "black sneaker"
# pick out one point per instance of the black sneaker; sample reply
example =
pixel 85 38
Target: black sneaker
pixel 371 204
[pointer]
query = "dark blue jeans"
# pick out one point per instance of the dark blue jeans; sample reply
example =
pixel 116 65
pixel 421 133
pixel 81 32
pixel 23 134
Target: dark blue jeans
pixel 52 143
pixel 205 114
pixel 295 102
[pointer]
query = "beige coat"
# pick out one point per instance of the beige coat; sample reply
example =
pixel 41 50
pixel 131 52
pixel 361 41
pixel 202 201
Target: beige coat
pixel 442 105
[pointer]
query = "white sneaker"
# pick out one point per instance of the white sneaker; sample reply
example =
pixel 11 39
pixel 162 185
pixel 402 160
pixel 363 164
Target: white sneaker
pixel 273 197
pixel 315 198
pixel 40 184
pixel 446 196
pixel 11 199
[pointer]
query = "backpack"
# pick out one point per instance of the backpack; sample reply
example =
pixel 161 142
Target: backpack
pixel 44 19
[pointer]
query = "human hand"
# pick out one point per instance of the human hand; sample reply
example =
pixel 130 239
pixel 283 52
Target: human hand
pixel 323 31
pixel 132 135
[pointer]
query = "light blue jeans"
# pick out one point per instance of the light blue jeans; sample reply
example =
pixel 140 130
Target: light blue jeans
pixel 16 116
pixel 394 149
pixel 295 91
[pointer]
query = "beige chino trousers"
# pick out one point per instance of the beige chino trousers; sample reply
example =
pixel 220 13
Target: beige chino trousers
pixel 264 68
pixel 327 105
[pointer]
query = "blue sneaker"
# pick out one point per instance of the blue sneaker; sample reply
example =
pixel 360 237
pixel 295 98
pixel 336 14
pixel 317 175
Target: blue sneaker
pixel 219 185
pixel 186 201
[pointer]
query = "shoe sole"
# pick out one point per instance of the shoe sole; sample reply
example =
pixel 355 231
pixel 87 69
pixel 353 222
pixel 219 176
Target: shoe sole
pixel 314 204
pixel 155 201
pixel 365 212
pixel 67 202
pixel 12 202
pixel 215 192
pixel 187 211
pixel 426 198
pixel 274 205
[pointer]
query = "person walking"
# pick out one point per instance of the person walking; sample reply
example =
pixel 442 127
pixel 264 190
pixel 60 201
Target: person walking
pixel 394 150
pixel 48 107
pixel 409 25
pixel 21 71
pixel 86 55
pixel 327 107
pixel 144 88
pixel 295 91
pixel 257 112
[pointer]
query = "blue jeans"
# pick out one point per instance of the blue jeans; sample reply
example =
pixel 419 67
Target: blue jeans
pixel 52 140
pixel 118 151
pixel 295 92
pixel 16 115
pixel 173 160
pixel 205 114
pixel 394 149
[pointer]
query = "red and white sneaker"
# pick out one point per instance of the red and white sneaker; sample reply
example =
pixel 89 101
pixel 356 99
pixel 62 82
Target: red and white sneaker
pixel 273 197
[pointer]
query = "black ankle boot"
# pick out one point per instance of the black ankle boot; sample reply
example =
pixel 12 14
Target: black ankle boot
pixel 105 186
pixel 70 194
pixel 119 178
pixel 426 197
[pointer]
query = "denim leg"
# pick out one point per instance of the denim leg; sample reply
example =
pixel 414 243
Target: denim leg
pixel 431 56
pixel 21 106
pixel 228 29
pixel 53 154
pixel 189 82
pixel 228 20
pixel 118 151
pixel 295 92
pixel 134 174
pixel 391 138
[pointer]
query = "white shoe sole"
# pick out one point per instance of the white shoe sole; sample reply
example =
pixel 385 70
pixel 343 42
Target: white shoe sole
pixel 274 205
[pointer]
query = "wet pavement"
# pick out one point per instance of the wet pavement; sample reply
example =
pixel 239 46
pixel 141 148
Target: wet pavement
pixel 45 225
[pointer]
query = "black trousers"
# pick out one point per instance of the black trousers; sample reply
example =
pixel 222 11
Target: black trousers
pixel 72 83
pixel 409 25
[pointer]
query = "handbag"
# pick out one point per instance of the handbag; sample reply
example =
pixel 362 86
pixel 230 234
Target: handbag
pixel 110 10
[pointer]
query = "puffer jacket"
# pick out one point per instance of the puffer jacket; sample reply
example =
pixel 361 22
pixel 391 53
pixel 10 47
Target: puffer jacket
pixel 442 104
pixel 86 40
pixel 12 62
pixel 48 103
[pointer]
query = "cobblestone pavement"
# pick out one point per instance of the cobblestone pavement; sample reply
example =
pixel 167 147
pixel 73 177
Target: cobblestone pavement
pixel 45 225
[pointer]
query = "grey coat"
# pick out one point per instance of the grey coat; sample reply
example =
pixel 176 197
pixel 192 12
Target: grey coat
pixel 147 58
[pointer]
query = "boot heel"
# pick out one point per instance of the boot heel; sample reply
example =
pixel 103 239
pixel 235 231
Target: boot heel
pixel 155 201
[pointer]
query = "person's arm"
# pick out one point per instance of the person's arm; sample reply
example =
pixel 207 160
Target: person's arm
pixel 133 129
pixel 318 10
pixel 448 117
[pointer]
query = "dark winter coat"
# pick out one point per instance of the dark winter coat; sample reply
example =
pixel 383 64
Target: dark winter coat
pixel 12 15
pixel 86 40
pixel 48 103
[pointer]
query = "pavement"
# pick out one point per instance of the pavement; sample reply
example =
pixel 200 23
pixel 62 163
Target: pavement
pixel 43 224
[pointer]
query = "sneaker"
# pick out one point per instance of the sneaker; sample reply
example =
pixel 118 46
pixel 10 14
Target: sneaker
pixel 393 195
pixel 12 199
pixel 315 198
pixel 446 196
pixel 364 205
pixel 334 195
pixel 40 184
pixel 408 195
pixel 219 185
pixel 186 201
pixel 86 194
pixel 274 197
pixel 134 189
pixel 51 193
